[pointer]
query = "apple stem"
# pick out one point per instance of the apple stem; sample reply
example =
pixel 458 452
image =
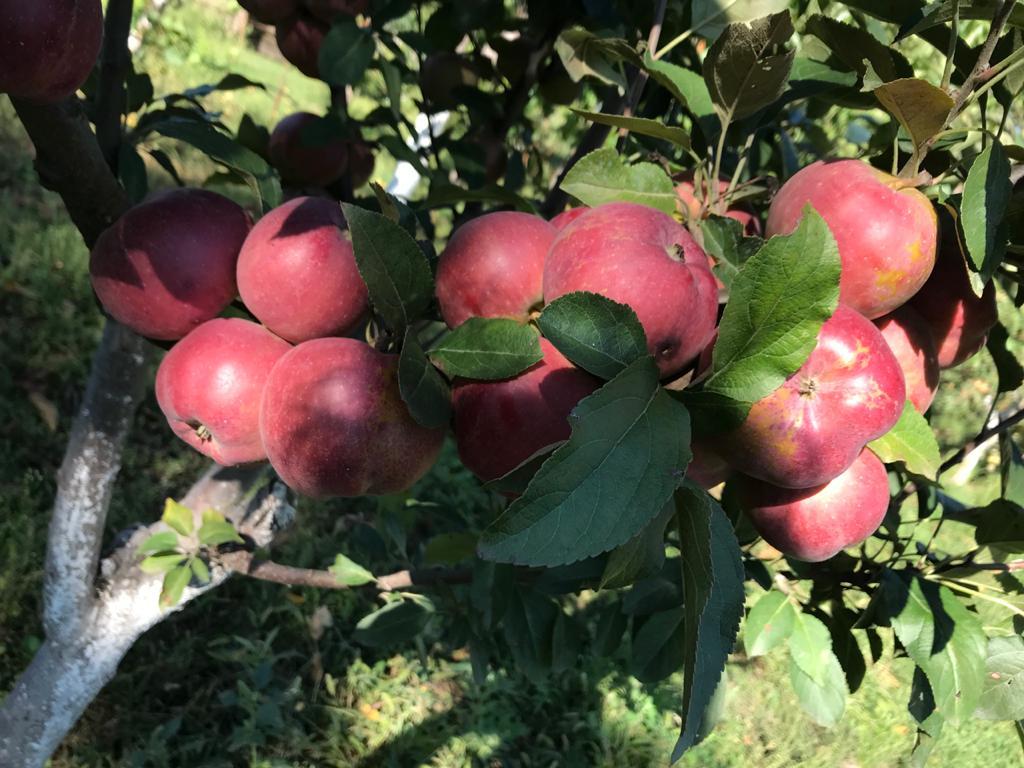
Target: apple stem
pixel 204 433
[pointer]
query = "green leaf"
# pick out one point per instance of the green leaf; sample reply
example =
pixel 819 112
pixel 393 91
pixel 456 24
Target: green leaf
pixel 934 14
pixel 689 89
pixel 213 533
pixel 823 702
pixel 346 52
pixel 1011 470
pixel 1002 695
pixel 529 625
pixel 768 624
pixel 597 334
pixel 658 647
pixel 604 177
pixel 178 517
pixel 810 646
pixel 161 562
pixel 846 647
pixel 746 68
pixel 488 348
pixel 450 548
pixel 1000 524
pixel 200 570
pixel 942 637
pixel 423 389
pixel 611 625
pixel 983 209
pixel 854 46
pixel 230 82
pixel 174 585
pixel 629 447
pixel 712 570
pixel 724 241
pixel 778 303
pixel 584 54
pixel 641 556
pixel 910 441
pixel 920 107
pixel 131 170
pixel 1008 367
pixel 642 125
pixel 810 78
pixel 442 194
pixel 225 150
pixel 396 622
pixel 710 17
pixel 393 267
pixel 348 572
pixel 516 480
pixel 158 542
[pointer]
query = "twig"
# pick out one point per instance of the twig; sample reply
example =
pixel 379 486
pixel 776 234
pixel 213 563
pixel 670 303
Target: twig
pixel 984 435
pixel 954 34
pixel 636 87
pixel 115 59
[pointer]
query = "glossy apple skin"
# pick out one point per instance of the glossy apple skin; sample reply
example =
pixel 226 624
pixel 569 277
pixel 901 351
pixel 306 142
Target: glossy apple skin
pixel 814 524
pixel 303 164
pixel 493 266
pixel 886 234
pixel 501 424
pixel 168 264
pixel 565 218
pixel 959 319
pixel 299 39
pixel 297 273
pixel 691 205
pixel 848 392
pixel 328 10
pixel 910 340
pixel 48 47
pixel 334 424
pixel 641 257
pixel 210 384
pixel 270 11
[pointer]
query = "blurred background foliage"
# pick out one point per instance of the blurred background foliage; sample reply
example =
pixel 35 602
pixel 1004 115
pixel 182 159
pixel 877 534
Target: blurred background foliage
pixel 256 674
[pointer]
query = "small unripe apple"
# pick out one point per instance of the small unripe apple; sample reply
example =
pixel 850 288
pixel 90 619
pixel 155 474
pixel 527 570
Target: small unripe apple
pixel 297 272
pixel 493 266
pixel 442 74
pixel 334 424
pixel 813 524
pixel 302 162
pixel 48 47
pixel 910 340
pixel 642 257
pixel 168 264
pixel 959 319
pixel 270 11
pixel 299 39
pixel 885 230
pixel 328 10
pixel 210 384
pixel 849 391
pixel 501 424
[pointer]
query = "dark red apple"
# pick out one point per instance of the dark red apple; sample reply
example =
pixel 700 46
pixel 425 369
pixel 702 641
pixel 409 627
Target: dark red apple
pixel 910 340
pixel 641 257
pixel 691 205
pixel 442 74
pixel 168 264
pixel 565 218
pixel 297 272
pixel 808 431
pixel 360 161
pixel 302 161
pixel 334 424
pixel 501 424
pixel 48 47
pixel 328 10
pixel 813 524
pixel 210 384
pixel 299 39
pixel 959 319
pixel 493 266
pixel 885 229
pixel 270 11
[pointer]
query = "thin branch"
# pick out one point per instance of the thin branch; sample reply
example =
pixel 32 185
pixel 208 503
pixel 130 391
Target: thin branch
pixel 983 436
pixel 636 87
pixel 954 34
pixel 115 59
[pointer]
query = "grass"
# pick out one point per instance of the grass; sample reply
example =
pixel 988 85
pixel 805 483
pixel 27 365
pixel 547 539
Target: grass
pixel 256 674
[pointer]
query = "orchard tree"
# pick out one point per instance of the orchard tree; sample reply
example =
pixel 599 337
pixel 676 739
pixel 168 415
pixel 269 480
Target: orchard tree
pixel 699 395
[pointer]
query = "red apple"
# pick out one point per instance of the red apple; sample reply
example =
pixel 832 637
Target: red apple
pixel 959 319
pixel 334 424
pixel 299 39
pixel 270 11
pixel 691 205
pixel 48 47
pixel 210 384
pixel 910 340
pixel 808 431
pixel 565 218
pixel 329 10
pixel 303 162
pixel 885 230
pixel 641 257
pixel 168 264
pixel 493 266
pixel 813 524
pixel 297 272
pixel 501 424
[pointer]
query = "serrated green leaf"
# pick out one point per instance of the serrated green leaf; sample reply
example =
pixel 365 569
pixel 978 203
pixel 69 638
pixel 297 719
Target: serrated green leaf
pixel 174 585
pixel 712 570
pixel 853 46
pixel 725 243
pixel 1011 472
pixel 345 53
pixel 643 555
pixel 910 441
pixel 158 542
pixel 423 389
pixel 658 646
pixel 488 348
pixel 597 334
pixel 810 646
pixel 823 702
pixel 178 517
pixel 778 303
pixel 213 533
pixel 768 624
pixel 983 209
pixel 1008 367
pixel 710 17
pixel 936 13
pixel 628 449
pixel 689 89
pixel 395 271
pixel 200 570
pixel 604 177
pixel 396 622
pixel 348 572
pixel 920 107
pixel 529 625
pixel 450 548
pixel 161 562
pixel 584 54
pixel 1000 524
pixel 642 125
pixel 1002 695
